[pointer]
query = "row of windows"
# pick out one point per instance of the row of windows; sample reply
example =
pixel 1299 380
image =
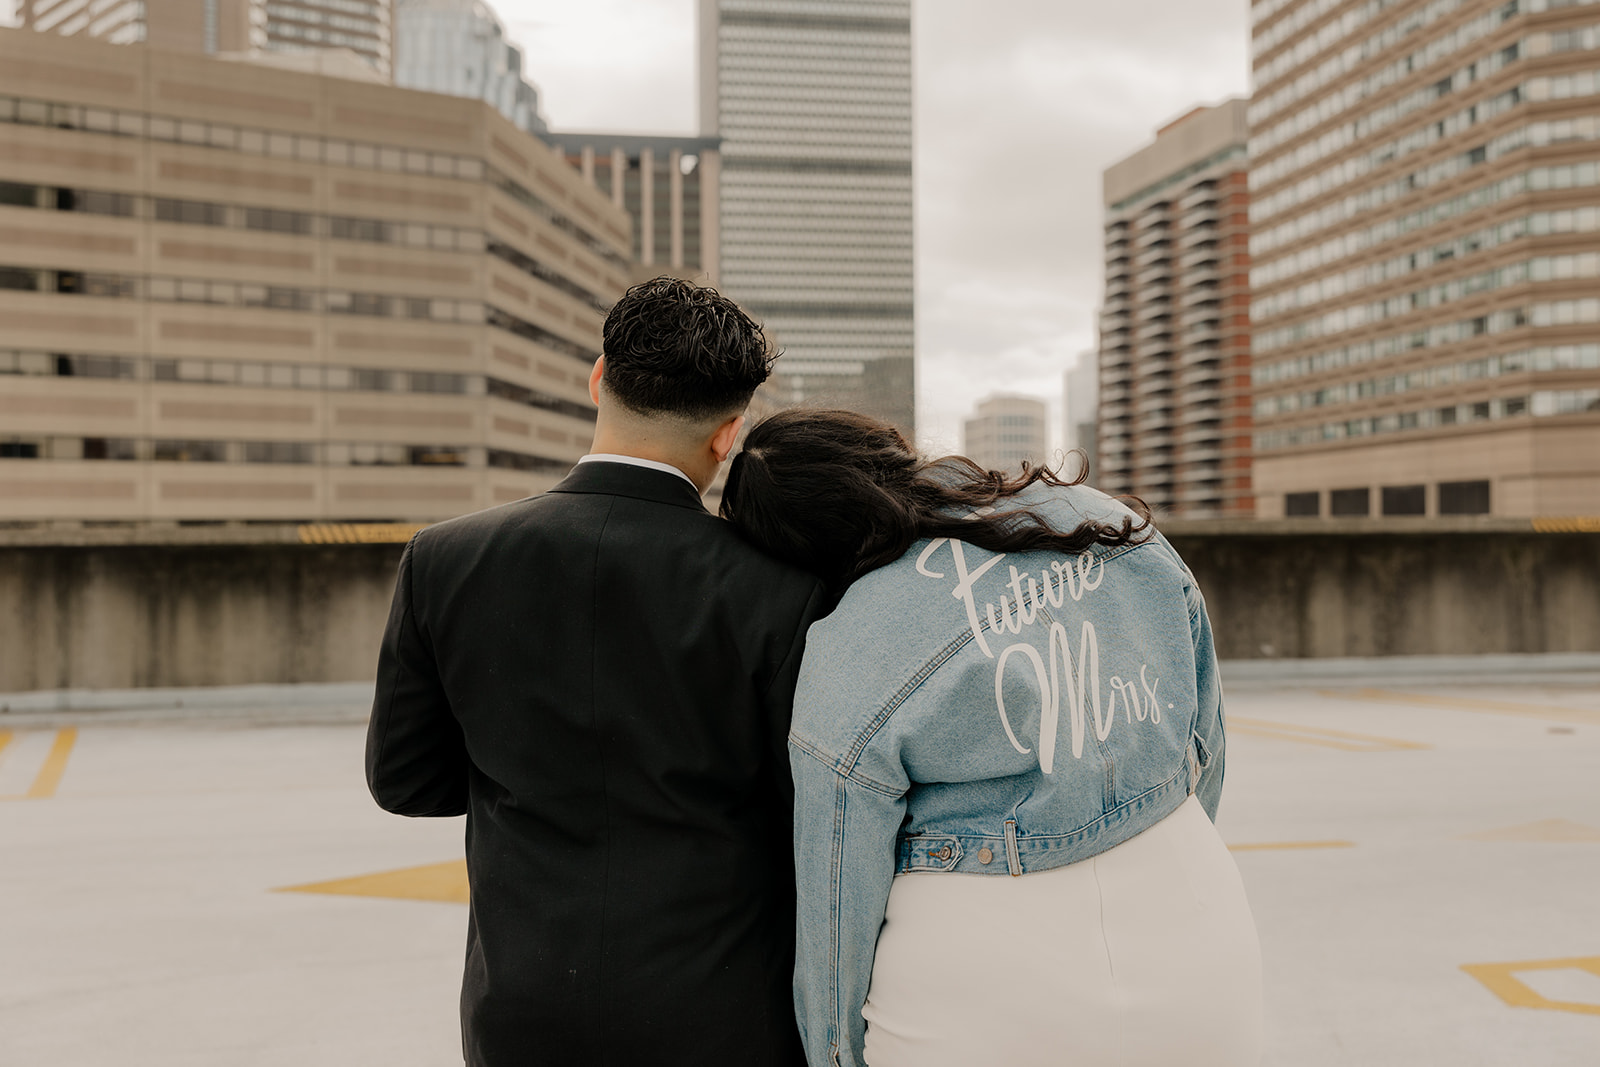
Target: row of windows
pixel 188 450
pixel 1324 107
pixel 1539 134
pixel 1455 498
pixel 1554 313
pixel 1537 269
pixel 1536 360
pixel 1392 229
pixel 303 147
pixel 237 294
pixel 255 374
pixel 1327 36
pixel 239 216
pixel 290 31
pixel 248 294
pixel 1535 179
pixel 328 454
pixel 1341 63
pixel 1540 223
pixel 301 223
pixel 1537 405
pixel 1304 16
pixel 1328 178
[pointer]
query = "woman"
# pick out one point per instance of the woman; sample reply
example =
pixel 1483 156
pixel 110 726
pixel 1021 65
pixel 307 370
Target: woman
pixel 1007 741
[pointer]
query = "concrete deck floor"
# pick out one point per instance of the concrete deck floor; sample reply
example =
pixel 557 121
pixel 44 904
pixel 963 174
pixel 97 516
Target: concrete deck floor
pixel 1387 837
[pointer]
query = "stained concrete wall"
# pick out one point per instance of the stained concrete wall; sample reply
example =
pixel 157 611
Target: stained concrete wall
pixel 1398 594
pixel 253 605
pixel 181 615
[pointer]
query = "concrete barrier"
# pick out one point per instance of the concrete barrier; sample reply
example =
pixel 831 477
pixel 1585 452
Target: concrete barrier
pixel 98 609
pixel 1305 591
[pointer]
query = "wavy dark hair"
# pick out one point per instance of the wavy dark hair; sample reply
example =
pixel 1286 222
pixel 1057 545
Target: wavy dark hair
pixel 676 348
pixel 840 494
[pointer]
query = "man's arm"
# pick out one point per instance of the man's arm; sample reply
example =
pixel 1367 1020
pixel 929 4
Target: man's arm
pixel 416 757
pixel 779 697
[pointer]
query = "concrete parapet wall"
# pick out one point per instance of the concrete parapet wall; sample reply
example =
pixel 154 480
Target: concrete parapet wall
pixel 242 605
pixel 102 617
pixel 1282 590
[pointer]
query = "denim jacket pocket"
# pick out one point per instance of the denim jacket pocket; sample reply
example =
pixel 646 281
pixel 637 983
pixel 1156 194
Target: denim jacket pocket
pixel 928 852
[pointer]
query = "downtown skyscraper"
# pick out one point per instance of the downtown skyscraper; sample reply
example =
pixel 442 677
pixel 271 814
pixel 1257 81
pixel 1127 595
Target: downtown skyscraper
pixel 1425 257
pixel 1174 359
pixel 812 101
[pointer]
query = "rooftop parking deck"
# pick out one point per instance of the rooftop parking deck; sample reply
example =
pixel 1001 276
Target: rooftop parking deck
pixel 210 885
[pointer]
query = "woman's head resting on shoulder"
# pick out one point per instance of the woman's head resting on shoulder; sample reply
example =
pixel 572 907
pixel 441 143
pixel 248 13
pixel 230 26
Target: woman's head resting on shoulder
pixel 840 494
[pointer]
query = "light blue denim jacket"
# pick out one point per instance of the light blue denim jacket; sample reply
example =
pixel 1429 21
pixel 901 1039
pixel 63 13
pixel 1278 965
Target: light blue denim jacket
pixel 981 713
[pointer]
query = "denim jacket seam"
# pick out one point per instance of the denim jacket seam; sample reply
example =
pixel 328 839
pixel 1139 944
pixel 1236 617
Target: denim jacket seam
pixel 852 775
pixel 1113 811
pixel 864 738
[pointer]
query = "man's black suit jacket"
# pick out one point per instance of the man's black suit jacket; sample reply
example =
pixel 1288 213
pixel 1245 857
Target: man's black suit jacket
pixel 601 679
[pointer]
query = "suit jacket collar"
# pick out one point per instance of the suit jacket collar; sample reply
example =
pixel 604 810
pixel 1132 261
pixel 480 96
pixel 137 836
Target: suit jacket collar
pixel 625 479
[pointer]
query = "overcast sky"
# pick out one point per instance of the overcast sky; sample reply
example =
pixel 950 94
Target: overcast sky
pixel 1020 104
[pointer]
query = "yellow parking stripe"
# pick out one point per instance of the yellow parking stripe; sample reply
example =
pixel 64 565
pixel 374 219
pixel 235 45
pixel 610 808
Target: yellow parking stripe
pixel 1501 980
pixel 55 765
pixel 437 881
pixel 1552 712
pixel 1316 735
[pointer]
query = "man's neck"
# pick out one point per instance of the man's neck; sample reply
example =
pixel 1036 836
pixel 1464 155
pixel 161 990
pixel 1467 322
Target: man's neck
pixel 616 445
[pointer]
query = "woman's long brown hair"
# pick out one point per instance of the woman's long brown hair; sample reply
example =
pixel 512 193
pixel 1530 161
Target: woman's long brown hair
pixel 840 494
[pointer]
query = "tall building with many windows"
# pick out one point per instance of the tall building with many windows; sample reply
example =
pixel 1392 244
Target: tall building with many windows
pixel 1006 431
pixel 1174 416
pixel 667 184
pixel 1426 257
pixel 365 27
pixel 459 47
pixel 812 101
pixel 208 26
pixel 235 292
pixel 238 27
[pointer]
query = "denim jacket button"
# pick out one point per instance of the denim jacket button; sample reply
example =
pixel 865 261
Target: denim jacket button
pixel 942 854
pixel 985 856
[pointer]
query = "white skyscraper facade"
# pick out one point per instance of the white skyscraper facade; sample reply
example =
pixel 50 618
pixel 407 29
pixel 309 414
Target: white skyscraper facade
pixel 459 47
pixel 812 101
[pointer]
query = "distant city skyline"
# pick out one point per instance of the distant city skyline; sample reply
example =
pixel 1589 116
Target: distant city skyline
pixel 1016 116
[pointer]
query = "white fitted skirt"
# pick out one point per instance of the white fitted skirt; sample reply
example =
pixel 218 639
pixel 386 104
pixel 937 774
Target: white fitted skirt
pixel 1143 956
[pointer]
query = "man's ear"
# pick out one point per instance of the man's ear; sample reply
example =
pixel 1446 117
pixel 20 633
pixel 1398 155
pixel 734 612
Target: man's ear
pixel 727 435
pixel 594 380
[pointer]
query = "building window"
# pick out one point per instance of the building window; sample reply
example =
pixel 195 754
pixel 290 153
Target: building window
pixel 1464 498
pixel 1405 500
pixel 437 456
pixel 274 220
pixel 1350 502
pixel 279 452
pixel 192 212
pixel 191 451
pixel 1302 505
pixel 14 194
pixel 109 448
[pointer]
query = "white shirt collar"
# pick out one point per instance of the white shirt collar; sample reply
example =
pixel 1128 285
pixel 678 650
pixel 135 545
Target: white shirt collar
pixel 635 461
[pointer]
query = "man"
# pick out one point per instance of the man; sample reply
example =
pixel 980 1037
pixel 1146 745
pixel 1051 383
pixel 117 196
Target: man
pixel 600 678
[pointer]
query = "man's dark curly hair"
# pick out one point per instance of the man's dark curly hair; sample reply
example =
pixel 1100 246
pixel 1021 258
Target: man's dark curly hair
pixel 676 348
